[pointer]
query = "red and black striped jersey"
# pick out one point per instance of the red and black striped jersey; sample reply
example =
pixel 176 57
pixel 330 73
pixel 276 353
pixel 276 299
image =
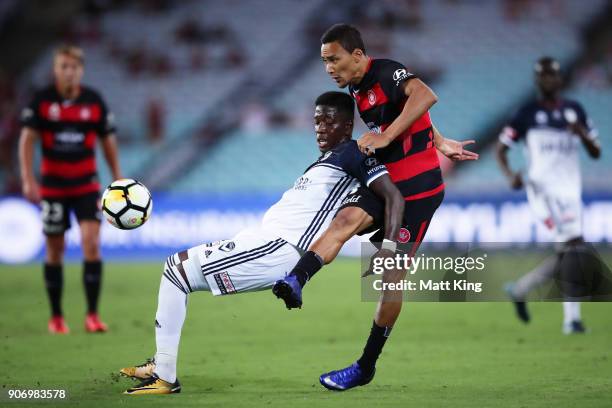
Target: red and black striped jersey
pixel 411 159
pixel 69 130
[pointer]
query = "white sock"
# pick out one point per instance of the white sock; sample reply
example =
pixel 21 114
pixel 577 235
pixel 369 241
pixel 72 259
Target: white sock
pixel 571 312
pixel 171 311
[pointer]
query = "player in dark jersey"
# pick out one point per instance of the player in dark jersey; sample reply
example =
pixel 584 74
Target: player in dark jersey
pixel 243 264
pixel 68 119
pixel 394 105
pixel 553 128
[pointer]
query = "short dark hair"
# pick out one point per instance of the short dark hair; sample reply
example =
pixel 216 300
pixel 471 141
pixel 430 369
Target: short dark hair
pixel 343 102
pixel 547 63
pixel 348 36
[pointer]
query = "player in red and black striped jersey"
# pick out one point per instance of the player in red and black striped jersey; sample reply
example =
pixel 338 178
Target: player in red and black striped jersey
pixel 394 104
pixel 411 157
pixel 69 119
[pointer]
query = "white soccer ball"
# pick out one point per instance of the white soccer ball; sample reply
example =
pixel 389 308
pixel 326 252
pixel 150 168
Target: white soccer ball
pixel 126 204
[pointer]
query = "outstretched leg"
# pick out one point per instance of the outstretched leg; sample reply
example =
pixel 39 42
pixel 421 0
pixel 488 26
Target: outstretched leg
pixel 159 375
pixel 348 222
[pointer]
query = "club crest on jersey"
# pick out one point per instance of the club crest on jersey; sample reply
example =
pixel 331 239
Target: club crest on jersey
pixel 403 236
pixel 54 111
pixel 85 114
pixel 372 97
pixel 228 246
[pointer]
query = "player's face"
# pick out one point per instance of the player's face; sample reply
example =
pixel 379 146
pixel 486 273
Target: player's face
pixel 549 81
pixel 340 64
pixel 330 127
pixel 68 71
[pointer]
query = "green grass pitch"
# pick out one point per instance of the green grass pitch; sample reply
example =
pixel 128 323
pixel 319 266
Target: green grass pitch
pixel 248 350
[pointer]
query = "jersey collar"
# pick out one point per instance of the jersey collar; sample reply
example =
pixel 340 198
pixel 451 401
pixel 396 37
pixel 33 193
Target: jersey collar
pixel 550 105
pixel 366 75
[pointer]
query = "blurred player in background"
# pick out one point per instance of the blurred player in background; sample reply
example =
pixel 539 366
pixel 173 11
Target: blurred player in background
pixel 68 119
pixel 552 128
pixel 394 104
pixel 257 257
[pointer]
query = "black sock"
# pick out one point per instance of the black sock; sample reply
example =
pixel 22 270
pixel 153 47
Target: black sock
pixel 307 266
pixel 54 283
pixel 373 348
pixel 92 277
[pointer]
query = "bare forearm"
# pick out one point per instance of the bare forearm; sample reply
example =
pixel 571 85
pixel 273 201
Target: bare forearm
pixel 591 145
pixel 438 138
pixel 502 160
pixel 26 154
pixel 109 146
pixel 394 212
pixel 421 98
pixel 384 188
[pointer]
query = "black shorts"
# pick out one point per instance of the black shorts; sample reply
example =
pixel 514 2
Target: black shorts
pixel 416 220
pixel 56 211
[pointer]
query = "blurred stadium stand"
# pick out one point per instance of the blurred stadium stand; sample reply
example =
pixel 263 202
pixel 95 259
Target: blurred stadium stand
pixel 217 96
pixel 480 63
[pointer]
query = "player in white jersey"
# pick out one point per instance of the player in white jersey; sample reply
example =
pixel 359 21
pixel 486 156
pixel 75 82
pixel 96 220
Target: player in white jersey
pixel 256 258
pixel 553 129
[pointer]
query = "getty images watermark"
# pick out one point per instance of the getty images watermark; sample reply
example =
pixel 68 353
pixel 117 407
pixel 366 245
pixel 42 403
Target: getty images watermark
pixel 413 264
pixel 460 272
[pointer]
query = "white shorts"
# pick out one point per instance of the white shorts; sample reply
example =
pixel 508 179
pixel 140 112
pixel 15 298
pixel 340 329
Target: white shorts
pixel 562 214
pixel 252 260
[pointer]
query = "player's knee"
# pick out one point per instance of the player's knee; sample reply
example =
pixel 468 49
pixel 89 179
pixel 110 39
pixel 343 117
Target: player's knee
pixel 55 250
pixel 91 247
pixel 174 273
pixel 168 263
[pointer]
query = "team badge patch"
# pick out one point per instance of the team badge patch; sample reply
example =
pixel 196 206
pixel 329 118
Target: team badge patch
pixel 371 97
pixel 228 246
pixel 403 236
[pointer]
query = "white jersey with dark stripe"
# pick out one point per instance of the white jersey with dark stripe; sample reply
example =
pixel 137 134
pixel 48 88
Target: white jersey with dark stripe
pixel 551 149
pixel 305 210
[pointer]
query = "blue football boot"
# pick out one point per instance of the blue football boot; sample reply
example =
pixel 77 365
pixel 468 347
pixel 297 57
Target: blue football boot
pixel 290 290
pixel 346 378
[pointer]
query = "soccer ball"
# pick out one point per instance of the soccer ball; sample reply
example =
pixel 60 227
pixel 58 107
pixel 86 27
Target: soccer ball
pixel 126 204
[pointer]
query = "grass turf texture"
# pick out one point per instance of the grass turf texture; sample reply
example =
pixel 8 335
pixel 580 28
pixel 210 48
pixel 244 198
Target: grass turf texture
pixel 248 350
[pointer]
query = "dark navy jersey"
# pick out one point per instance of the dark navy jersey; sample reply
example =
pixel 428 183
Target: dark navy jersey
pixel 69 130
pixel 551 146
pixel 347 157
pixel 535 115
pixel 411 159
pixel 306 209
